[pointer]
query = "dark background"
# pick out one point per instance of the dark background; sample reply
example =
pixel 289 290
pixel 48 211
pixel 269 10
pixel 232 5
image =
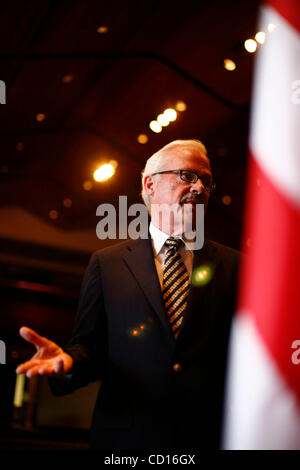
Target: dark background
pixel 98 92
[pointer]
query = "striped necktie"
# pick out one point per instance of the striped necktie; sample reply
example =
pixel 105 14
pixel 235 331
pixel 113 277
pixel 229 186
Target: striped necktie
pixel 176 285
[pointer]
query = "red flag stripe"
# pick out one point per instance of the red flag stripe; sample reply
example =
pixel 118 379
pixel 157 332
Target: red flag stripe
pixel 270 284
pixel 288 10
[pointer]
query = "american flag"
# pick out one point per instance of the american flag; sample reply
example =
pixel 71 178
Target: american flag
pixel 263 386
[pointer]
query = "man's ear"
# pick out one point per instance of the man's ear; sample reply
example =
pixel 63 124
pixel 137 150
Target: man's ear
pixel 149 185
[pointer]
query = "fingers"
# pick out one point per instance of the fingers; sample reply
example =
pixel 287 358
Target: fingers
pixel 26 366
pixel 32 337
pixel 34 368
pixel 59 367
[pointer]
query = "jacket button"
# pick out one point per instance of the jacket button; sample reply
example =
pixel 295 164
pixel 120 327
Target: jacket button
pixel 177 367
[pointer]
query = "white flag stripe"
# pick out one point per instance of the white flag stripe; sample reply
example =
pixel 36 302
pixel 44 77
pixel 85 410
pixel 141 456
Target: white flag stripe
pixel 261 412
pixel 275 129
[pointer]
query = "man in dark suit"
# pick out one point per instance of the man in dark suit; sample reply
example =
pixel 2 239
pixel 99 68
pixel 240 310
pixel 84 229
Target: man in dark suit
pixel 156 338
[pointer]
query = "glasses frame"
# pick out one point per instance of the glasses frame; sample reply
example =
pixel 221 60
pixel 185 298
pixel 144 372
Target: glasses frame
pixel 211 187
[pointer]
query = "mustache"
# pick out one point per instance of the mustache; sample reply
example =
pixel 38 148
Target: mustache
pixel 193 197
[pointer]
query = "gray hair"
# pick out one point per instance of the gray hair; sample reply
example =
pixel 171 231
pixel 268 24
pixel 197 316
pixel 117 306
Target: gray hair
pixel 159 160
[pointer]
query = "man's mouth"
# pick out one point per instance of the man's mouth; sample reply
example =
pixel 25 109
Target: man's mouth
pixel 192 200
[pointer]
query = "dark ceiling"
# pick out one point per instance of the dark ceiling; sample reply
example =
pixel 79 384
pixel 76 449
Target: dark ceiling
pixel 152 54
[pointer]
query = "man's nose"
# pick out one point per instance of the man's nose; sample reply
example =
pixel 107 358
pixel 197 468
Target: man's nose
pixel 198 187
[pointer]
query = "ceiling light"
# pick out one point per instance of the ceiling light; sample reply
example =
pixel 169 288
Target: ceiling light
pixel 40 117
pixel 67 202
pixel 87 185
pixel 53 214
pixel 170 114
pixel 227 200
pixel 155 126
pixel 163 120
pixel 260 37
pixel 68 78
pixel 113 163
pixel 102 29
pixel 271 27
pixel 250 45
pixel 104 172
pixel 180 106
pixel 142 139
pixel 229 65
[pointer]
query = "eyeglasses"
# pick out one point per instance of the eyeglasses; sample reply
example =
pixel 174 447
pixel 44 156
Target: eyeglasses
pixel 191 177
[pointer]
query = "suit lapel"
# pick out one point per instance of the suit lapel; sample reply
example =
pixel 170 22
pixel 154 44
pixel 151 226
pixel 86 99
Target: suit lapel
pixel 140 261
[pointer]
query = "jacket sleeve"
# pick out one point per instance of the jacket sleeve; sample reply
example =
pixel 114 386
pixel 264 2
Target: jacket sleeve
pixel 88 345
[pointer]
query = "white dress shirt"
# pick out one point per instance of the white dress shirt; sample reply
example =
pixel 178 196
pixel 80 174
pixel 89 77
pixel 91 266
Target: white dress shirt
pixel 160 249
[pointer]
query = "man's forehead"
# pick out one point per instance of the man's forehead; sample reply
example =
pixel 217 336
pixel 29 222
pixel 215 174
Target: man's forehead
pixel 188 157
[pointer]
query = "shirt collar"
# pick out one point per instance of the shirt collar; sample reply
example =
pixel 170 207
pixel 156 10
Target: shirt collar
pixel 159 238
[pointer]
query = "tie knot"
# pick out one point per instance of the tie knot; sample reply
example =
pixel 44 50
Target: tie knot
pixel 174 243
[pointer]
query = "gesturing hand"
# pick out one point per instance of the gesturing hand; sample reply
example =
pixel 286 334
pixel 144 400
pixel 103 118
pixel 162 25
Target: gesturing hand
pixel 49 358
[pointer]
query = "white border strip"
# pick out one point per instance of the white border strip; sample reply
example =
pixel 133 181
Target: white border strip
pixel 275 123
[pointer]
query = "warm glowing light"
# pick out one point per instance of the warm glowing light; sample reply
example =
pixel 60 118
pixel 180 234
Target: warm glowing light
pixel 67 202
pixel 201 275
pixel 87 185
pixel 229 65
pixel 271 27
pixel 155 126
pixel 227 200
pixel 40 117
pixel 68 78
pixel 162 120
pixel 142 139
pixel 102 29
pixel 170 114
pixel 104 172
pixel 180 106
pixel 142 327
pixel 53 214
pixel 113 163
pixel 176 367
pixel 20 146
pixel 250 45
pixel 135 332
pixel 260 37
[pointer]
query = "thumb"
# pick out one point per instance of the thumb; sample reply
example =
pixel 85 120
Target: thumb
pixel 32 337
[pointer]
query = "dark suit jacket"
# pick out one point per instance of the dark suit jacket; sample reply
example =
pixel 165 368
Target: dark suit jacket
pixel 123 337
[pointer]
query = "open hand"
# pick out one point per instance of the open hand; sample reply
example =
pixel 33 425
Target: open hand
pixel 49 358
